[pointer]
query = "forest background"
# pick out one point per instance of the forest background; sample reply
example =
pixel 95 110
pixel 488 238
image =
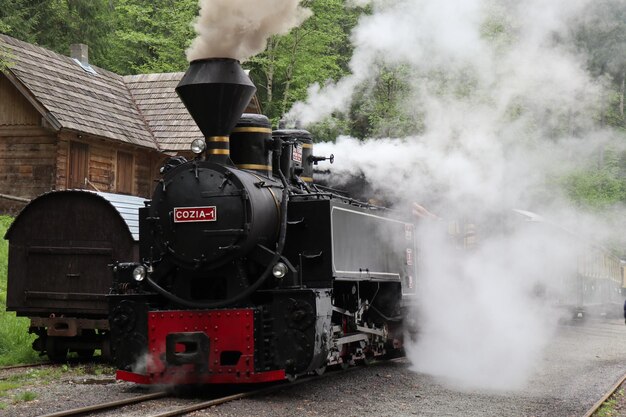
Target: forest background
pixel 145 36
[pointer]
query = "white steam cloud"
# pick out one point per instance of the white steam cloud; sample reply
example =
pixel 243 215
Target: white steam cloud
pixel 239 28
pixel 505 105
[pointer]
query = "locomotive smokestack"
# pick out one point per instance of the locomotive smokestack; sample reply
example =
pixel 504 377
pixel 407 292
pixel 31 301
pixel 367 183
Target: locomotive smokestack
pixel 216 91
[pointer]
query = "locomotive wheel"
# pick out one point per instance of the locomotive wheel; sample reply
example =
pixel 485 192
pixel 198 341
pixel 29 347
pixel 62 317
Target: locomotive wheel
pixel 368 361
pixel 105 352
pixel 87 353
pixel 394 353
pixel 56 352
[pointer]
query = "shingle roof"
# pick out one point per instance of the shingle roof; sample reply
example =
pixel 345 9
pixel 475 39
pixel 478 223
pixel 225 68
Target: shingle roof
pixel 168 119
pixel 143 110
pixel 98 104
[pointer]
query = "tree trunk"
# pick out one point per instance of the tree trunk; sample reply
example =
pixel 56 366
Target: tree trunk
pixel 290 67
pixel 269 83
pixel 621 97
pixel 272 46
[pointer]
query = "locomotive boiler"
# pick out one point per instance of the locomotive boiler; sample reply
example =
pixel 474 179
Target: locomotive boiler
pixel 248 271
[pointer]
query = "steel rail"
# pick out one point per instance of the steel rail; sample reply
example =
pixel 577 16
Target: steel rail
pixel 605 397
pixel 222 400
pixel 109 405
pixel 25 365
pixel 7 375
pixel 201 405
pixel 69 361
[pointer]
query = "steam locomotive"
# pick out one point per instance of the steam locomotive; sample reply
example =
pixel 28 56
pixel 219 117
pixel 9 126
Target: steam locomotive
pixel 248 271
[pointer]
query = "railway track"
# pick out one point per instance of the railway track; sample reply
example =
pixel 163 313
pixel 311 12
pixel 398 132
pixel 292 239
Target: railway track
pixel 24 365
pixel 7 371
pixel 109 405
pixel 196 406
pixel 605 397
pixel 117 405
pixel 70 361
pixel 217 401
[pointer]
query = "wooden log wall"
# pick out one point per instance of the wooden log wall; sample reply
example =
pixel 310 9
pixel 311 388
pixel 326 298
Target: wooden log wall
pixel 27 150
pixel 147 172
pixel 103 161
pixel 35 159
pixel 27 164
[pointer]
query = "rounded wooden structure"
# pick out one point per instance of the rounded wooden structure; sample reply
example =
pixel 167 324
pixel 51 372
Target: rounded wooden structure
pixel 61 246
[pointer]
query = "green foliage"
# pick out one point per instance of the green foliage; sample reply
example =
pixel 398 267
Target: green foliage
pixel 7 386
pixel 497 28
pixel 55 24
pixel 18 18
pixel 597 188
pixel 600 186
pixel 317 51
pixel 150 36
pixel 15 347
pixel 26 396
pixel 601 36
pixel 6 59
pixel 382 109
pixel 330 128
pixel 124 36
pixel 5 222
pixel 15 342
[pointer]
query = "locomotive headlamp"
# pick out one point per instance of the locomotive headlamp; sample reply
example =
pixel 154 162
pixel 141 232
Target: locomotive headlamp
pixel 198 146
pixel 279 270
pixel 139 273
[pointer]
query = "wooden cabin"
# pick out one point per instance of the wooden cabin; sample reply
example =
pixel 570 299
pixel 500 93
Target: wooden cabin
pixel 66 124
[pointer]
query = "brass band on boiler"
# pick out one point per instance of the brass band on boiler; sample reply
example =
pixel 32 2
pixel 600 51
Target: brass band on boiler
pixel 218 145
pixel 219 151
pixel 218 139
pixel 256 167
pixel 252 130
pixel 306 179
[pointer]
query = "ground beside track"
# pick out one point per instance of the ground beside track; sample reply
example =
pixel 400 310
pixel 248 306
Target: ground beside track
pixel 572 376
pixel 583 362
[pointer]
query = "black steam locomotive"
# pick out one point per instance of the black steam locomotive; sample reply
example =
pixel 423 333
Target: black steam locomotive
pixel 248 271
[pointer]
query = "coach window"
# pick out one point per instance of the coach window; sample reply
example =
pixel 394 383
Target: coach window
pixel 78 165
pixel 124 172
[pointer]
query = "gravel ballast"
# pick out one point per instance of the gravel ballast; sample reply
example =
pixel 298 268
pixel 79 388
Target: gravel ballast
pixel 580 365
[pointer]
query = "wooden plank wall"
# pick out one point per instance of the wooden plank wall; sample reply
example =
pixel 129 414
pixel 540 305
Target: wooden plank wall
pixel 103 164
pixel 147 166
pixel 27 150
pixel 27 163
pixel 14 108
